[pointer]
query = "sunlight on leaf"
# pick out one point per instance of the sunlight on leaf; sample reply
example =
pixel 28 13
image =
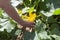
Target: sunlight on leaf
pixel 57 11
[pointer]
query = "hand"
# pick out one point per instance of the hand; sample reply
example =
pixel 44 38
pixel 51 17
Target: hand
pixel 28 24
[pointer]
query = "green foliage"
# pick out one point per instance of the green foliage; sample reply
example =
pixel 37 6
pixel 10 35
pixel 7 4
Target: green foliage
pixel 4 35
pixel 8 27
pixel 46 25
pixel 28 35
pixel 57 11
pixel 1 11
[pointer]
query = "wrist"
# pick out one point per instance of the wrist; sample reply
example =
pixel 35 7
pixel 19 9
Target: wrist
pixel 21 22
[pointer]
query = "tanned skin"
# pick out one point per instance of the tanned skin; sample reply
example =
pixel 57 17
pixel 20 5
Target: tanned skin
pixel 9 9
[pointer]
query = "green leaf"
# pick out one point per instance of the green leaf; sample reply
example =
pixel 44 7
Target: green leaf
pixel 1 11
pixel 28 35
pixel 55 29
pixel 41 32
pixel 31 9
pixel 42 6
pixel 18 32
pixel 56 37
pixel 51 20
pixel 0 26
pixel 26 2
pixel 57 11
pixel 36 36
pixel 39 26
pixel 43 35
pixel 6 24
